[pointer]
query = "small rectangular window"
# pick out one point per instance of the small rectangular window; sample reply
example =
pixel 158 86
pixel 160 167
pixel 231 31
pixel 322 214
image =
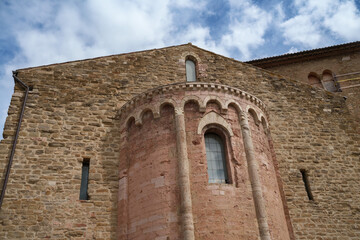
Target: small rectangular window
pixel 305 178
pixel 85 179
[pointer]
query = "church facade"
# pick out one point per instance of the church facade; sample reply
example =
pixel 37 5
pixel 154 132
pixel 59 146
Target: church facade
pixel 182 143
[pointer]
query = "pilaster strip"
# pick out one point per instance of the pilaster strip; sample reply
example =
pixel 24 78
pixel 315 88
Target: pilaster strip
pixel 254 179
pixel 187 223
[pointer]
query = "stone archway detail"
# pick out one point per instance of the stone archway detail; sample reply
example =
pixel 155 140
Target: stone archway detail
pixel 196 99
pixel 254 113
pixel 214 118
pixel 237 106
pixel 216 99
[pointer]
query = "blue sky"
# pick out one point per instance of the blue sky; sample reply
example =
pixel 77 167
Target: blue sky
pixel 34 33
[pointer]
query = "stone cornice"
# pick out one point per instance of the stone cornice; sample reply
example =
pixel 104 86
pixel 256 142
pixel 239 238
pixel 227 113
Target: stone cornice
pixel 190 86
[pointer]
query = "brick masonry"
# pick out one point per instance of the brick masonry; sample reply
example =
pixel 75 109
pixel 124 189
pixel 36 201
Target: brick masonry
pixel 72 114
pixel 219 210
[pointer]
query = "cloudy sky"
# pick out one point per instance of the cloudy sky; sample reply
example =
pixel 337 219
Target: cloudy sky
pixel 34 32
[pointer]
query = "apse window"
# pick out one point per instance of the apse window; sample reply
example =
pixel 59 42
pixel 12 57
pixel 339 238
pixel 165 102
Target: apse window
pixel 190 71
pixel 84 179
pixel 215 156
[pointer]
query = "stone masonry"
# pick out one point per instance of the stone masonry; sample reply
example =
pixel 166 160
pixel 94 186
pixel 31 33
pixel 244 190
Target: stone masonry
pixel 75 112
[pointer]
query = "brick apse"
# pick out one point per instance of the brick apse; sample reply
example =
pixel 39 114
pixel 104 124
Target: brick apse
pixel 141 138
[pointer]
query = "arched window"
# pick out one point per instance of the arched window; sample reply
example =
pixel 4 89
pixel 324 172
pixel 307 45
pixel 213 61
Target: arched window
pixel 215 156
pixel 190 71
pixel 328 81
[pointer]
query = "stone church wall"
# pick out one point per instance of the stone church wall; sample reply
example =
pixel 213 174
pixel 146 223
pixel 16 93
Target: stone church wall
pixel 71 115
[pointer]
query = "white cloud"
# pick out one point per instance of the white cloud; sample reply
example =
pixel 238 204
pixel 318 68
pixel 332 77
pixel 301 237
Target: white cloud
pixel 130 25
pixel 315 6
pixel 92 29
pixel 293 50
pixel 301 30
pixel 279 14
pixel 345 21
pixel 317 22
pixel 200 36
pixel 200 4
pixel 246 30
pixel 247 27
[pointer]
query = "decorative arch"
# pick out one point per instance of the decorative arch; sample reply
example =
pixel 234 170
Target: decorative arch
pixel 254 114
pixel 129 120
pixel 168 101
pixel 235 104
pixel 146 110
pixel 192 55
pixel 265 125
pixel 193 98
pixel 263 120
pixel 328 81
pixel 314 80
pixel 216 99
pixel 214 118
pixel 327 71
pixel 139 115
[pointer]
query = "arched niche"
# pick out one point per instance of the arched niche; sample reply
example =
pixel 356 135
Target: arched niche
pixel 130 122
pixel 254 114
pixel 194 99
pixel 314 80
pixel 328 81
pixel 217 100
pixel 146 115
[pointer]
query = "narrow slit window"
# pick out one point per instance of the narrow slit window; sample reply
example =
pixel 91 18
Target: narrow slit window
pixel 215 156
pixel 84 179
pixel 190 71
pixel 305 179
